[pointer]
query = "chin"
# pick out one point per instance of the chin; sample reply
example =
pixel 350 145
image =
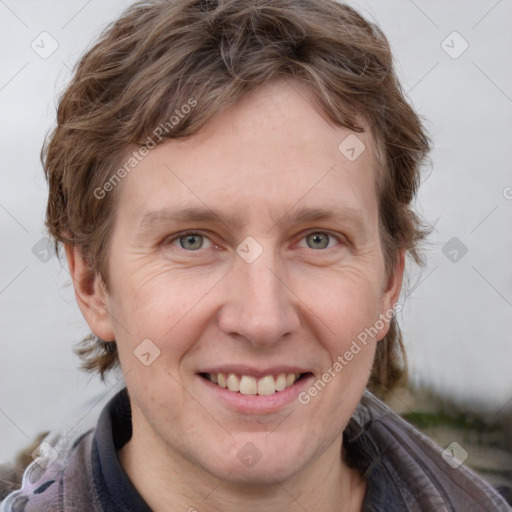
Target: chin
pixel 253 459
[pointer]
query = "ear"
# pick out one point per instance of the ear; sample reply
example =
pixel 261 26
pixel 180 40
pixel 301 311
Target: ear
pixel 392 293
pixel 91 294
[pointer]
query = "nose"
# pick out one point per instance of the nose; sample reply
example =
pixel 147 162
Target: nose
pixel 260 306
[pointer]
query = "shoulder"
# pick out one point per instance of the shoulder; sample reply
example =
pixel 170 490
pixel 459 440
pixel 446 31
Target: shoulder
pixel 401 460
pixel 59 479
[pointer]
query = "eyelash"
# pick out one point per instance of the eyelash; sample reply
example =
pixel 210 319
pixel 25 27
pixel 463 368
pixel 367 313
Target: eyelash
pixel 177 237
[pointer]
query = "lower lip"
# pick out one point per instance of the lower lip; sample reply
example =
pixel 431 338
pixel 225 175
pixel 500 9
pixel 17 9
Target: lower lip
pixel 256 404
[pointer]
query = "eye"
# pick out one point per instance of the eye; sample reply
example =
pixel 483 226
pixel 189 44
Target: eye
pixel 192 242
pixel 319 240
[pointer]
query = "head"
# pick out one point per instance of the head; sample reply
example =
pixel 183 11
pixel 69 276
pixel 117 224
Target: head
pixel 232 182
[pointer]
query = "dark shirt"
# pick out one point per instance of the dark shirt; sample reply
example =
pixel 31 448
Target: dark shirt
pixel 114 430
pixel 404 470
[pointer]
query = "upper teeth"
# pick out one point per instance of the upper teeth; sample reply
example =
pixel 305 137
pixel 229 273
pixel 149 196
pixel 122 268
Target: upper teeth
pixel 249 385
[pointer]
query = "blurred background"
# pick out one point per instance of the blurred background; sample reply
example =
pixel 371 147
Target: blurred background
pixel 454 59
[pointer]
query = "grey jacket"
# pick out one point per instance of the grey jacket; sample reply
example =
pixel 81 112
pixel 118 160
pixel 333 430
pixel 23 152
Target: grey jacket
pixel 405 470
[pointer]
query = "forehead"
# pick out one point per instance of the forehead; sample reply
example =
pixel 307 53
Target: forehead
pixel 272 149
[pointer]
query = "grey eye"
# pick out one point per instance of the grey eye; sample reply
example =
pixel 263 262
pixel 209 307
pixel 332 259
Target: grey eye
pixel 191 242
pixel 317 240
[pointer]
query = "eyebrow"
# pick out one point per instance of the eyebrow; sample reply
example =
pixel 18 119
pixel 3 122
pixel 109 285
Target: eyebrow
pixel 339 213
pixel 191 214
pixel 357 217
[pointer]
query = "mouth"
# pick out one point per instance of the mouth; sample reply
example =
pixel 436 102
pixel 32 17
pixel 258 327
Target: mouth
pixel 252 385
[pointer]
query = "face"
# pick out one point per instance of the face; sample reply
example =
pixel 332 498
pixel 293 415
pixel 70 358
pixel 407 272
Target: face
pixel 249 253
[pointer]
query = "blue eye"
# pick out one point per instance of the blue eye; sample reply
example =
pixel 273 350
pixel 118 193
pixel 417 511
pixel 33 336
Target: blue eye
pixel 192 241
pixel 319 240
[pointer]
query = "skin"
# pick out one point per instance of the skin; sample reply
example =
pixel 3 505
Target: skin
pixel 259 162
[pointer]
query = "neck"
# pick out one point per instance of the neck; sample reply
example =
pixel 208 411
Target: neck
pixel 169 481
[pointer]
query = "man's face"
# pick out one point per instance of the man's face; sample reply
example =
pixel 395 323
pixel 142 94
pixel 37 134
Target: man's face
pixel 252 249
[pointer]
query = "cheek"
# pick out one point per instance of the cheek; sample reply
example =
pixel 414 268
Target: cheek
pixel 345 302
pixel 345 311
pixel 346 308
pixel 155 304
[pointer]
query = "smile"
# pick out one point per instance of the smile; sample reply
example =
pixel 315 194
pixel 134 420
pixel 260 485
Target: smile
pixel 250 385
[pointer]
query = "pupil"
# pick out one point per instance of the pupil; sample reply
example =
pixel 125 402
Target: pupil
pixel 318 241
pixel 191 242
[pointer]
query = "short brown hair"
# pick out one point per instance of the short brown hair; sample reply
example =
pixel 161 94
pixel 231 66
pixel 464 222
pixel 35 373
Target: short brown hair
pixel 161 53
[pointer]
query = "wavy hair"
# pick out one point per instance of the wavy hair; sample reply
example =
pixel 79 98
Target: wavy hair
pixel 149 63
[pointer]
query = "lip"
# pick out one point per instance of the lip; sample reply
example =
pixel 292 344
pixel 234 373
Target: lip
pixel 242 369
pixel 256 404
